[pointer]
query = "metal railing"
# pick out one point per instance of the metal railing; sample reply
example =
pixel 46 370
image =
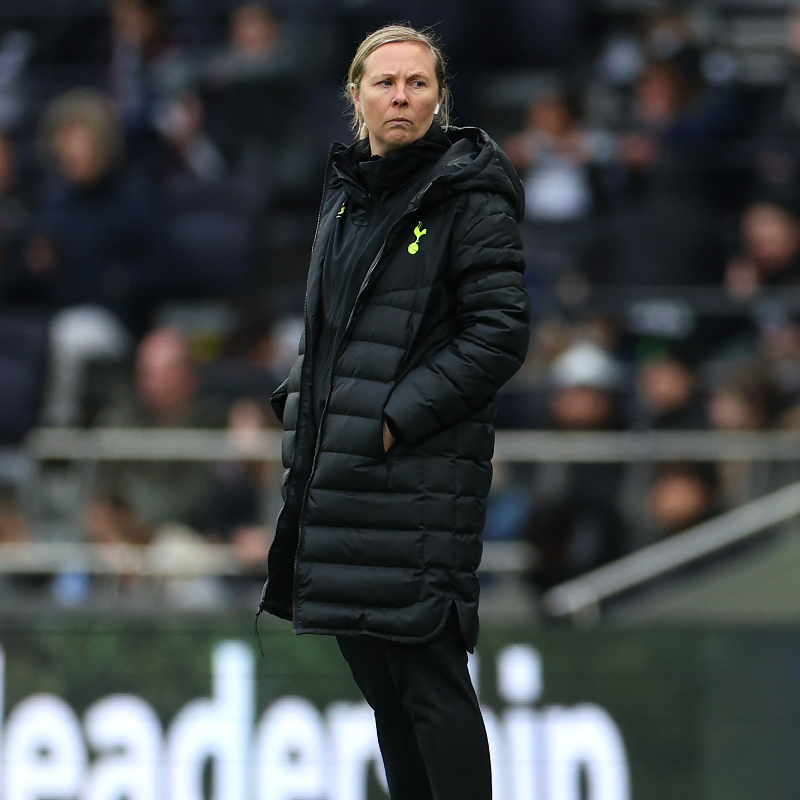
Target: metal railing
pixel 220 560
pixel 573 598
pixel 47 558
pixel 121 444
pixel 581 597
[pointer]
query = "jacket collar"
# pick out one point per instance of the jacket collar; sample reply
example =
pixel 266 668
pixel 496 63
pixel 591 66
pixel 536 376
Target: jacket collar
pixel 458 160
pixel 366 177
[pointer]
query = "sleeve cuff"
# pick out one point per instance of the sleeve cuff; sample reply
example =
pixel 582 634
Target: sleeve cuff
pixel 392 426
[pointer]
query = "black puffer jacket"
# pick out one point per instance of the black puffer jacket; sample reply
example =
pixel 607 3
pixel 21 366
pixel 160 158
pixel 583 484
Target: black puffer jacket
pixel 387 543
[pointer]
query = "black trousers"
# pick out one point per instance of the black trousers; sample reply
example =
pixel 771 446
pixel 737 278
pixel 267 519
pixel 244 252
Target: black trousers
pixel 430 727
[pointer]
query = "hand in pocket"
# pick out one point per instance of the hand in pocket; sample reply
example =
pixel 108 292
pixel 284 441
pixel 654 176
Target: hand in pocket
pixel 388 439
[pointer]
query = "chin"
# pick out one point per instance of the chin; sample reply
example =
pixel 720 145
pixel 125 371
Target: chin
pixel 401 138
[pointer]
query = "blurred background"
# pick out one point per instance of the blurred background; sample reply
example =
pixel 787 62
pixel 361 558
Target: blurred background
pixel 160 168
pixel 160 173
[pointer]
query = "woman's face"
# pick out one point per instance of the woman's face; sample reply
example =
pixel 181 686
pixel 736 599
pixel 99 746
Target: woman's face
pixel 398 95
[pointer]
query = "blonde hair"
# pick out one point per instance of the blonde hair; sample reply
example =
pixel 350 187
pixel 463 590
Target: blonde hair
pixel 387 35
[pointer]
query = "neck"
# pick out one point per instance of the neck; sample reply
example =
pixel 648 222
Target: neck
pixel 376 148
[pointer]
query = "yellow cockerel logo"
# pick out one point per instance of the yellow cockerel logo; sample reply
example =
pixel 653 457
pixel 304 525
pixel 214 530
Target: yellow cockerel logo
pixel 419 233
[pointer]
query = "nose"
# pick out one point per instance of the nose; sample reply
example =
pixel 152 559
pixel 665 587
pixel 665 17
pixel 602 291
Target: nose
pixel 400 100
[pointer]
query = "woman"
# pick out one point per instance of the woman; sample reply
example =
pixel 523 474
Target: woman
pixel 416 314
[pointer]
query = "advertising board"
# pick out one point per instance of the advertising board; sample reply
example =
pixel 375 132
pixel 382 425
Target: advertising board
pixel 184 708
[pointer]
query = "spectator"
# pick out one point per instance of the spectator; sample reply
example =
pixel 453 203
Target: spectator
pixel 253 92
pixel 254 45
pixel 675 115
pixel 97 253
pixel 145 70
pixel 746 400
pixel 563 167
pixel 97 237
pixel 555 156
pixel 576 523
pixel 167 383
pixel 663 93
pixel 668 396
pixel 133 500
pixel 667 233
pixel 682 495
pixel 584 380
pixel 194 154
pixel 770 250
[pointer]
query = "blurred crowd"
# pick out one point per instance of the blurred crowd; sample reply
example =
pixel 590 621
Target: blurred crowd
pixel 159 179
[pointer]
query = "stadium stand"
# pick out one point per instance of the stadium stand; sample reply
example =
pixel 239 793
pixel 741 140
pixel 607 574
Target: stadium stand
pixel 159 170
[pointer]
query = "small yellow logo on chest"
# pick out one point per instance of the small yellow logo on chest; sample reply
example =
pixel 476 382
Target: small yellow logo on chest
pixel 419 233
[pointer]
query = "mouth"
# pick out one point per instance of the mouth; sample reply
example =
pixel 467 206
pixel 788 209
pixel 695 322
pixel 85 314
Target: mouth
pixel 399 121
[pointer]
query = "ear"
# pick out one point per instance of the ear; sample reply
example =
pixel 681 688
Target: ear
pixel 354 94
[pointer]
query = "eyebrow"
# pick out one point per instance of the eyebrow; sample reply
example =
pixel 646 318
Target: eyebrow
pixel 416 74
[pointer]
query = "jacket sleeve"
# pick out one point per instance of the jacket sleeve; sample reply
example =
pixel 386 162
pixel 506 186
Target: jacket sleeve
pixel 278 399
pixel 493 314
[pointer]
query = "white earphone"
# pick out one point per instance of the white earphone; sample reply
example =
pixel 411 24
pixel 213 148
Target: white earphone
pixel 436 110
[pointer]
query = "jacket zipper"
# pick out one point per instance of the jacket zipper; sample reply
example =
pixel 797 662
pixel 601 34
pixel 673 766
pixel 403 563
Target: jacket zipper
pixel 321 420
pixel 389 470
pixel 318 445
pixel 263 599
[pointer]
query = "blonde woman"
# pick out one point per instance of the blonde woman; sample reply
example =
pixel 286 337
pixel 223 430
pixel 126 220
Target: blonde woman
pixel 416 314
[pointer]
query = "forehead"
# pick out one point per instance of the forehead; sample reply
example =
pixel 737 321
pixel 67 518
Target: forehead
pixel 401 57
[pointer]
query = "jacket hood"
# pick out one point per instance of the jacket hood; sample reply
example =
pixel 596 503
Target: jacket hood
pixel 472 162
pixel 475 162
